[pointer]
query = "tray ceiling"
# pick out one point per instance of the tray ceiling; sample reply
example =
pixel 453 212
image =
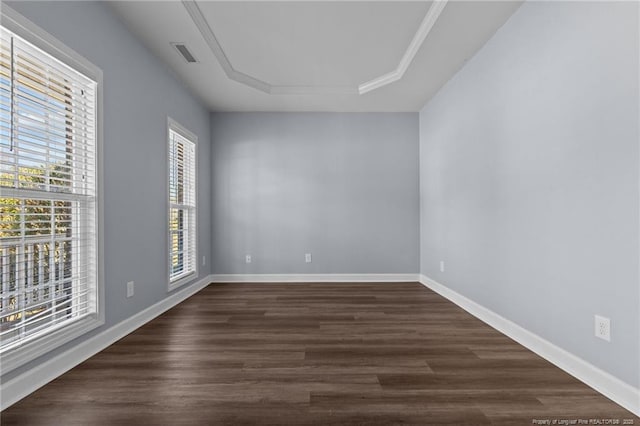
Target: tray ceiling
pixel 315 55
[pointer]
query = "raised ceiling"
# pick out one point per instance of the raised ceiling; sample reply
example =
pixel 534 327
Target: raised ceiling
pixel 307 41
pixel 315 56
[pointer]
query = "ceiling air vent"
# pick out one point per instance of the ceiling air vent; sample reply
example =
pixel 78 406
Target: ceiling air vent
pixel 182 49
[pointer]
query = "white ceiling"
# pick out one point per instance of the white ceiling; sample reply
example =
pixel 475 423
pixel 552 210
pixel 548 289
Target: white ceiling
pixel 314 44
pixel 316 55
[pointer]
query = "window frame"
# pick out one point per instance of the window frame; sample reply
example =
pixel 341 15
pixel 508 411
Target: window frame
pixel 36 347
pixel 179 281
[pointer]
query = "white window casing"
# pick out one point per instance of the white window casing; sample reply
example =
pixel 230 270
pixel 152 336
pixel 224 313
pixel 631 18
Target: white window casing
pixel 50 175
pixel 182 232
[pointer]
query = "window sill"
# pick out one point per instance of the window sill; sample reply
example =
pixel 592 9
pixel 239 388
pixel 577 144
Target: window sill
pixel 31 350
pixel 181 280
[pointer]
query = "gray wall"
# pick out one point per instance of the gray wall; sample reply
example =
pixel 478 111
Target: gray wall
pixel 139 94
pixel 529 178
pixel 343 187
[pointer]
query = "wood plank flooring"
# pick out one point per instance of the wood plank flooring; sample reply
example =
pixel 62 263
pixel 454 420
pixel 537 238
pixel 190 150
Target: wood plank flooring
pixel 314 354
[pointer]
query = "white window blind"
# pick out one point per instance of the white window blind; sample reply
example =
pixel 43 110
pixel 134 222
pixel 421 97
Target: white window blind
pixel 182 205
pixel 48 238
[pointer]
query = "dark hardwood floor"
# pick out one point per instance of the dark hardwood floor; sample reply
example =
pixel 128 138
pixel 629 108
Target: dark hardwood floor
pixel 299 354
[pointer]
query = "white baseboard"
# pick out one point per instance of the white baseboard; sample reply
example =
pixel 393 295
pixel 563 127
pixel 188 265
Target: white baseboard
pixel 19 387
pixel 613 388
pixel 312 278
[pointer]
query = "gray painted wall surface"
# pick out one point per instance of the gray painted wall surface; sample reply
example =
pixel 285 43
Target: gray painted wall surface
pixel 343 187
pixel 139 94
pixel 529 178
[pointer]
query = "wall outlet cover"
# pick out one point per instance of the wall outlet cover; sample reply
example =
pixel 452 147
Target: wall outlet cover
pixel 130 289
pixel 603 328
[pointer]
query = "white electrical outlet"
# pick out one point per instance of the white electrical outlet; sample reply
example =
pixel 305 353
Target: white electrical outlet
pixel 130 289
pixel 204 260
pixel 603 328
pixel 247 258
pixel 307 257
pixel 442 266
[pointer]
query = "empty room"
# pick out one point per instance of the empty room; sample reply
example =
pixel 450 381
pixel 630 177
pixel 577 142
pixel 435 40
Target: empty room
pixel 319 212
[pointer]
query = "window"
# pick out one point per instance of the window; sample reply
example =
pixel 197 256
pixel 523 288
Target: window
pixel 182 205
pixel 48 200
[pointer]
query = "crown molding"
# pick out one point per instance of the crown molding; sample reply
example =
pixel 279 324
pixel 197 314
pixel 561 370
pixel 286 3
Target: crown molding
pixel 313 90
pixel 436 8
pixel 209 37
pixel 425 27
